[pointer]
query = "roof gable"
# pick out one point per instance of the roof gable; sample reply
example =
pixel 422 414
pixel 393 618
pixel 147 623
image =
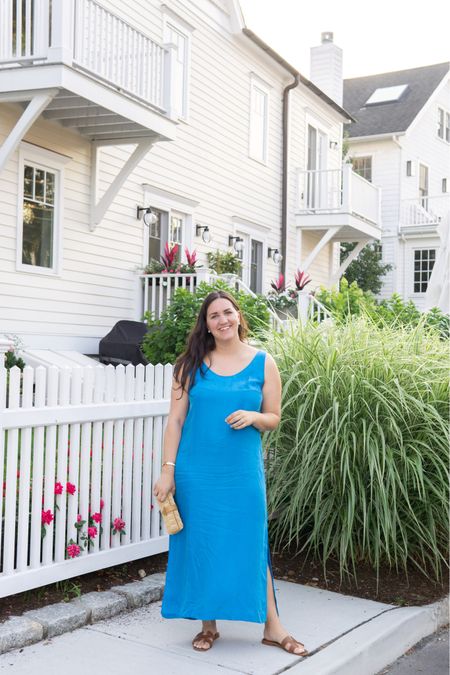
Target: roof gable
pixel 390 116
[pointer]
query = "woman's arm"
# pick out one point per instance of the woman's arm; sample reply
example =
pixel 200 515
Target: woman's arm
pixel 270 416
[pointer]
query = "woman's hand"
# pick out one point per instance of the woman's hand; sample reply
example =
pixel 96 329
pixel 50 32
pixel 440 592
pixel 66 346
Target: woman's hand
pixel 164 485
pixel 241 419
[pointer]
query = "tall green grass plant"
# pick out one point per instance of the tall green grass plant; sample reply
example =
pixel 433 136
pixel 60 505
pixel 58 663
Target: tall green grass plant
pixel 357 468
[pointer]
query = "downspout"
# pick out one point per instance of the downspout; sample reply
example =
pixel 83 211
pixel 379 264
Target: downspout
pixel 284 183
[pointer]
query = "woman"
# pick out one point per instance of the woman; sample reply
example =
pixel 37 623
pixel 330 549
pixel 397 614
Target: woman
pixel 225 392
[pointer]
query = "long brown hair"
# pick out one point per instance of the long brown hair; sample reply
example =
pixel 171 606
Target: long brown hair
pixel 200 342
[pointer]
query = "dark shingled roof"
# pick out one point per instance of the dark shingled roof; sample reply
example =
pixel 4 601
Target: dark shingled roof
pixel 394 117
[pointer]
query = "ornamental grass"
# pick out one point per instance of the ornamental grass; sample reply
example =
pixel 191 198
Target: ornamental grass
pixel 357 469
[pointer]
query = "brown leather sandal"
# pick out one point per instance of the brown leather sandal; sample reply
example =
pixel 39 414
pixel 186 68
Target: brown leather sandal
pixel 282 645
pixel 208 636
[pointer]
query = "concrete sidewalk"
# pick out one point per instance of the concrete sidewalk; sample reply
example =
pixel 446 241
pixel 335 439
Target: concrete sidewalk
pixel 346 636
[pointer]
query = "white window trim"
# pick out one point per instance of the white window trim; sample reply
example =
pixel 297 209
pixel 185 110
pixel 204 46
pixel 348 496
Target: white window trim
pixel 413 249
pixel 258 232
pixel 54 162
pixel 322 128
pixel 172 19
pixel 256 81
pixel 170 203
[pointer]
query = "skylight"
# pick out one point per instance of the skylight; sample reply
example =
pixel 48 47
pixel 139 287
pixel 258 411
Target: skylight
pixel 386 94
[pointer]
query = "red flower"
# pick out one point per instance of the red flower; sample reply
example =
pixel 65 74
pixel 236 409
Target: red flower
pixel 118 524
pixel 73 550
pixel 46 517
pixel 71 488
pixel 92 531
pixel 79 518
pixel 102 504
pixel 58 488
pixel 97 517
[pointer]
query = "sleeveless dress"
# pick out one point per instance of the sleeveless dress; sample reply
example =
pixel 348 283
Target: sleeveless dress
pixel 217 565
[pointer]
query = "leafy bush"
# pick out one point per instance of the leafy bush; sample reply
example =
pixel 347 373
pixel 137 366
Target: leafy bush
pixel 166 337
pixel 350 300
pixel 11 360
pixel 357 468
pixel 224 262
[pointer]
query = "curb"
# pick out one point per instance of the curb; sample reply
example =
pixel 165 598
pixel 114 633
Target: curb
pixel 377 643
pixel 47 622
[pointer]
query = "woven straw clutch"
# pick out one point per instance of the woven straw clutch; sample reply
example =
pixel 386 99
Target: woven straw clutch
pixel 171 515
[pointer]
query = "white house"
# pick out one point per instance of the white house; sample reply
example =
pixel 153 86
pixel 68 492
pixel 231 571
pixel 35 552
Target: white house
pixel 107 107
pixel 401 142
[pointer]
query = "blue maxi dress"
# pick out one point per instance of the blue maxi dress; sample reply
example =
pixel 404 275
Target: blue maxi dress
pixel 217 565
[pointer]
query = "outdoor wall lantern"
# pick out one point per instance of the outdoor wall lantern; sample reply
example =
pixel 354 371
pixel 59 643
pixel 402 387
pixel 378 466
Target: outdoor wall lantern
pixel 236 242
pixel 203 231
pixel 275 254
pixel 334 145
pixel 149 217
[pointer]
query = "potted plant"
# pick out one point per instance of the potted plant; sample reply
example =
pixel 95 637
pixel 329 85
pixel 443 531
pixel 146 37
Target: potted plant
pixel 282 299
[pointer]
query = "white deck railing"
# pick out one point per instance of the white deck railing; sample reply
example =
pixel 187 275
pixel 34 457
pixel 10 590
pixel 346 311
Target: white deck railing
pixel 98 429
pixel 425 211
pixel 338 191
pixel 84 35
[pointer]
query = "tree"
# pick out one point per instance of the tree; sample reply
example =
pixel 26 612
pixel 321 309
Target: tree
pixel 367 270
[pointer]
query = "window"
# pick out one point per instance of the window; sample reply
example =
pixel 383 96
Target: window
pixel 424 260
pixel 170 228
pixel 363 167
pixel 443 130
pixel 178 33
pixel 259 108
pixel 40 209
pixel 444 185
pixel 251 257
pixel 387 94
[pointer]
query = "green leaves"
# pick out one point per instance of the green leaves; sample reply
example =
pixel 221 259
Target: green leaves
pixel 356 467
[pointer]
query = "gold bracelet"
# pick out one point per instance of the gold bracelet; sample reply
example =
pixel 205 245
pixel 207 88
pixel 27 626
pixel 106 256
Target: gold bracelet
pixel 169 463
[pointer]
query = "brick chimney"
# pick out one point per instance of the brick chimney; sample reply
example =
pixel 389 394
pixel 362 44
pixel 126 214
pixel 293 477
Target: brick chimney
pixel 326 68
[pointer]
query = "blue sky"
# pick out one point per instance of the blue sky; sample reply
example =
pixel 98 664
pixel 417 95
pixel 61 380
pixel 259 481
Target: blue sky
pixel 376 36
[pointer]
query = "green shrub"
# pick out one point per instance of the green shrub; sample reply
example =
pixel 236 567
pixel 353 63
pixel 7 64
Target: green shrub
pixel 224 262
pixel 11 360
pixel 350 300
pixel 357 468
pixel 167 336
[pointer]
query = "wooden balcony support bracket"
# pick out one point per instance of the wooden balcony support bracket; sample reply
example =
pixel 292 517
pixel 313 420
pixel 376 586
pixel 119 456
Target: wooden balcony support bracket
pixel 100 206
pixel 329 234
pixel 350 258
pixel 38 103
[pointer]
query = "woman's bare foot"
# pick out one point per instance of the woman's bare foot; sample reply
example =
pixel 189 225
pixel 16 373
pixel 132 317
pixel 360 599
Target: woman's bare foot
pixel 274 631
pixel 207 627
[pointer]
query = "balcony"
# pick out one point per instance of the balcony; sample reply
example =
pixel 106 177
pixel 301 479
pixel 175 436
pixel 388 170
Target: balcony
pixel 340 201
pixel 422 216
pixel 93 71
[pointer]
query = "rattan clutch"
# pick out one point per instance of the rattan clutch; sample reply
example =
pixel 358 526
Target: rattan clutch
pixel 171 515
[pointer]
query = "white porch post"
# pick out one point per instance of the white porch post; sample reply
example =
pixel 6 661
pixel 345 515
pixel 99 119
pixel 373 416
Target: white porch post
pixel 170 83
pixel 303 306
pixel 63 29
pixel 347 187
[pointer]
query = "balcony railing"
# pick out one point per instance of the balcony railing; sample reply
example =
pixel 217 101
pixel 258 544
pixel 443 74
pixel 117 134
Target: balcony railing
pixel 425 212
pixel 338 191
pixel 86 36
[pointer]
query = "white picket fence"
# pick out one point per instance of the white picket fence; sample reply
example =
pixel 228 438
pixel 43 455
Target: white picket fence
pixel 99 429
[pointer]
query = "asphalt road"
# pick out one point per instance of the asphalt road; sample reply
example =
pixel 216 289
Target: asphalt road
pixel 430 656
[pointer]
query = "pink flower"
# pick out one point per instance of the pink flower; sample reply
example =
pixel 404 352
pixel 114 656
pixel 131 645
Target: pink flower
pixel 71 488
pixel 102 504
pixel 79 518
pixel 118 524
pixel 58 488
pixel 46 517
pixel 92 531
pixel 73 550
pixel 97 517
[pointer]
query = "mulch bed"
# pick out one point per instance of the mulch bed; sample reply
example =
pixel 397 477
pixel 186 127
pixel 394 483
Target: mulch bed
pixel 392 588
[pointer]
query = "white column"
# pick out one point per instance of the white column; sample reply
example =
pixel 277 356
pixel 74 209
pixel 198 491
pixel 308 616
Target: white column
pixel 63 27
pixel 170 83
pixel 346 187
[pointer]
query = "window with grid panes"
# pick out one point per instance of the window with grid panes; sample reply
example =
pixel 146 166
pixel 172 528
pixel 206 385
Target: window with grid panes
pixel 38 216
pixel 424 260
pixel 363 167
